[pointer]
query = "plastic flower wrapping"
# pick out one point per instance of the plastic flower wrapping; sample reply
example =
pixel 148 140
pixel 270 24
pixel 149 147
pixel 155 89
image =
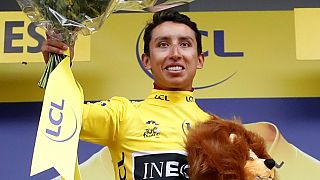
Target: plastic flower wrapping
pixel 65 19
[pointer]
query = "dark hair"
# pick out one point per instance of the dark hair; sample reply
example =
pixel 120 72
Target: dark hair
pixel 174 16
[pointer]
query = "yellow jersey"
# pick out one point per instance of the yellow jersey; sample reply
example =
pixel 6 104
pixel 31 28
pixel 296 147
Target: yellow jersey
pixel 292 163
pixel 146 138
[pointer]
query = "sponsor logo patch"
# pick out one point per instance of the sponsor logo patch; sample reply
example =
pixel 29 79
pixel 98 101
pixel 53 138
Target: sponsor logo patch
pixel 169 165
pixel 152 129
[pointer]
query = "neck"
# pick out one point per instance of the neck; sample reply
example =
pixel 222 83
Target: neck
pixel 155 86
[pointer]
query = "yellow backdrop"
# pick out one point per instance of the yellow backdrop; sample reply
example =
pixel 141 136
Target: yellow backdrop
pixel 264 65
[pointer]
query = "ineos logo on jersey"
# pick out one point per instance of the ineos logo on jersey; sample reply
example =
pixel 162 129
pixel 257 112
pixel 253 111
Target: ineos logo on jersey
pixel 218 51
pixel 166 165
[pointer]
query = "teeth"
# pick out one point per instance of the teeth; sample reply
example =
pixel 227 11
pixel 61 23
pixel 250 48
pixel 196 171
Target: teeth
pixel 174 68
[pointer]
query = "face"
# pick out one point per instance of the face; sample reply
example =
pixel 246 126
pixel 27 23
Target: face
pixel 173 58
pixel 256 168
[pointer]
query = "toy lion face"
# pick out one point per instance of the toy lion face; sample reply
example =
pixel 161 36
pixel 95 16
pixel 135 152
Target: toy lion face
pixel 224 150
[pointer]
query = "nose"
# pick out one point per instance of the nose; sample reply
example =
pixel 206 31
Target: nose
pixel 175 52
pixel 270 163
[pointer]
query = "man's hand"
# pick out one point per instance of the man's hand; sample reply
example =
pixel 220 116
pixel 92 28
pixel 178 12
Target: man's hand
pixel 52 45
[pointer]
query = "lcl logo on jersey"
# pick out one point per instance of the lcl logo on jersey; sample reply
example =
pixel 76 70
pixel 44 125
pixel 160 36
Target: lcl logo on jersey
pixel 218 51
pixel 190 99
pixel 161 97
pixel 166 165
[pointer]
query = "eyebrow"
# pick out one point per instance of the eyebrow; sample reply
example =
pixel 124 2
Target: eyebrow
pixel 168 37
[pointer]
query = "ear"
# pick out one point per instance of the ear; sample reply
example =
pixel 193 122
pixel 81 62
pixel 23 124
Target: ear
pixel 232 137
pixel 200 61
pixel 146 61
pixel 253 155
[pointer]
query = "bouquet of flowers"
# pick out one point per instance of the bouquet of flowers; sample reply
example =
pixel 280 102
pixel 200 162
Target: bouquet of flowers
pixel 65 19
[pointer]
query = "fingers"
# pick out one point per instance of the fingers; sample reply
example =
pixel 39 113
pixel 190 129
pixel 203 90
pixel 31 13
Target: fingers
pixel 52 46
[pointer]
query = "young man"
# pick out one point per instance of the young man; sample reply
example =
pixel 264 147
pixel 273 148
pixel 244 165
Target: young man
pixel 146 139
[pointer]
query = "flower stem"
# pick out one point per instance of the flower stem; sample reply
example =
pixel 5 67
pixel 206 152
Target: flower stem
pixel 54 60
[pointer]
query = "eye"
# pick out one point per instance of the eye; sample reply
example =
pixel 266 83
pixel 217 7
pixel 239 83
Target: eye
pixel 163 44
pixel 251 158
pixel 185 44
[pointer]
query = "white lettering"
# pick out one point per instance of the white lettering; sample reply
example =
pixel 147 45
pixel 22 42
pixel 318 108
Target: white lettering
pixel 145 170
pixel 153 166
pixel 156 168
pixel 183 170
pixel 170 170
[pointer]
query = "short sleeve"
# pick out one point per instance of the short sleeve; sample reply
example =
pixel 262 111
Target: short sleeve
pixel 101 120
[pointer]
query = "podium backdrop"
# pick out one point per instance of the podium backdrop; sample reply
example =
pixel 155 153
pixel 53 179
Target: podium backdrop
pixel 251 71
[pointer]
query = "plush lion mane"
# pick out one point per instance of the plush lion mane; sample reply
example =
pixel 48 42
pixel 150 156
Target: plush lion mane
pixel 212 155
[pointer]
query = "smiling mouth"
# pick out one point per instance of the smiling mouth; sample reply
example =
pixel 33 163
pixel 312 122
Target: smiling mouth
pixel 174 68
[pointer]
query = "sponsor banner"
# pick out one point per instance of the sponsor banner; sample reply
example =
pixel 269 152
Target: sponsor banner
pixel 21 40
pixel 249 54
pixel 59 126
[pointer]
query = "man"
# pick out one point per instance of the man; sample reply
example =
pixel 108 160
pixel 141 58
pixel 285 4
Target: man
pixel 146 139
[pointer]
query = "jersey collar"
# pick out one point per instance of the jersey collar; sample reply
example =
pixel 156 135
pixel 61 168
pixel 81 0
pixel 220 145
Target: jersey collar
pixel 165 96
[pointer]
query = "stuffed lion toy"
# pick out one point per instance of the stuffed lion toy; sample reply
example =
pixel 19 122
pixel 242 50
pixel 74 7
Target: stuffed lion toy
pixel 224 150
